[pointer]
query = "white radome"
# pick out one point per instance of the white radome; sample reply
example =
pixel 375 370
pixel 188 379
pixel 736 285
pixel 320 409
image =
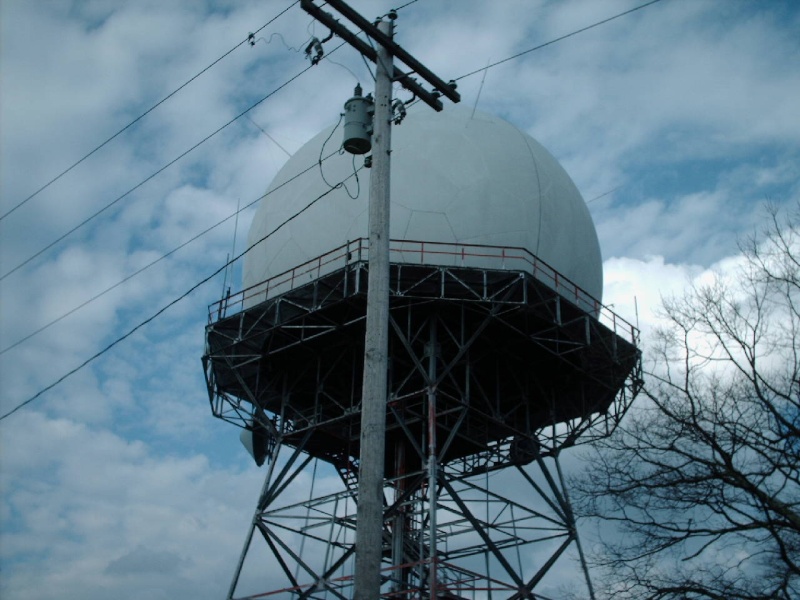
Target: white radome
pixel 455 178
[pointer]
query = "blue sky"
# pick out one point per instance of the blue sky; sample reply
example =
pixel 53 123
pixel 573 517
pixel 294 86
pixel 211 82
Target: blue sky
pixel 119 481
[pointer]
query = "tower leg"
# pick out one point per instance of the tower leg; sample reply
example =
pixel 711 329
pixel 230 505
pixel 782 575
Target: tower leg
pixel 433 354
pixel 473 503
pixel 452 535
pixel 273 459
pixel 573 523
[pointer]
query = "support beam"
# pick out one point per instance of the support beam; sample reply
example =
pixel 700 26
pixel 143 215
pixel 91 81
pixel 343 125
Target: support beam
pixel 386 42
pixel 397 51
pixel 433 459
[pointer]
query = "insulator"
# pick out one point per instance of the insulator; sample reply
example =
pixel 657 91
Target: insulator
pixel 316 46
pixel 398 111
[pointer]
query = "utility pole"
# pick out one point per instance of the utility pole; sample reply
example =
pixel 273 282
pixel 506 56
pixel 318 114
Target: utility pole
pixel 369 517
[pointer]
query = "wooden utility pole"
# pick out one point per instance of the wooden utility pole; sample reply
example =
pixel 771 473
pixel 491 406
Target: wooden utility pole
pixel 369 517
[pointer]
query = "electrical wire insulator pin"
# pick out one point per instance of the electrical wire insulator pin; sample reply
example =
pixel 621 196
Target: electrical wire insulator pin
pixel 398 111
pixel 315 46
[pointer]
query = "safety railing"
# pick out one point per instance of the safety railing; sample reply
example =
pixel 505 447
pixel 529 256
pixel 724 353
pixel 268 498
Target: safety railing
pixel 426 253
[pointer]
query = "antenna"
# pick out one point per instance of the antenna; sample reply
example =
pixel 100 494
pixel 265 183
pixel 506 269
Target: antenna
pixel 480 89
pixel 226 290
pixel 236 227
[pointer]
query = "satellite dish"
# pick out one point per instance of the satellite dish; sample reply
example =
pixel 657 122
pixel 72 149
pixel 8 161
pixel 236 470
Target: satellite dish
pixel 256 440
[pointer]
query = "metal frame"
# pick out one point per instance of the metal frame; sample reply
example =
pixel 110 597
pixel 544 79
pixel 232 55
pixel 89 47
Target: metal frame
pixel 472 545
pixel 492 370
pixel 405 79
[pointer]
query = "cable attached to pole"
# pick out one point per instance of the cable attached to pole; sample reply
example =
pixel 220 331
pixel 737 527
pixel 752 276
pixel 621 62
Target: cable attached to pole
pixel 166 307
pixel 160 258
pixel 558 39
pixel 140 117
pixel 153 175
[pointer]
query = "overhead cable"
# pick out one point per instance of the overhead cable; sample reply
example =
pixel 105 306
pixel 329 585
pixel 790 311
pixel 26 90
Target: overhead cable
pixel 274 141
pixel 604 194
pixel 140 117
pixel 167 306
pixel 159 259
pixel 404 5
pixel 558 39
pixel 158 172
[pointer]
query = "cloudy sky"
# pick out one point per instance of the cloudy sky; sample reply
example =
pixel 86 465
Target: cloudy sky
pixel 677 122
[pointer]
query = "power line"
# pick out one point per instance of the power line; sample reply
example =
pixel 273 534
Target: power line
pixel 230 262
pixel 604 194
pixel 558 39
pixel 159 259
pixel 406 4
pixel 158 172
pixel 274 141
pixel 484 69
pixel 140 117
pixel 166 307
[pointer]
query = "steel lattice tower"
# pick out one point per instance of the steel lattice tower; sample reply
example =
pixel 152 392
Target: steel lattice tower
pixel 494 370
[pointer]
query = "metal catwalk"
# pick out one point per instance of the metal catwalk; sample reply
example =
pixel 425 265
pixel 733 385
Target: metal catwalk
pixel 496 365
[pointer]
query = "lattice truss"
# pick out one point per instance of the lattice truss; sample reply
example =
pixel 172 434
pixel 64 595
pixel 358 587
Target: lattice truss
pixel 492 373
pixel 475 543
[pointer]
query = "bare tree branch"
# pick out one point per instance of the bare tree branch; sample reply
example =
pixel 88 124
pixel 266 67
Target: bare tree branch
pixel 700 487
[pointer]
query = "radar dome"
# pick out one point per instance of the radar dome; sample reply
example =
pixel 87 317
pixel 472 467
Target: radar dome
pixel 456 178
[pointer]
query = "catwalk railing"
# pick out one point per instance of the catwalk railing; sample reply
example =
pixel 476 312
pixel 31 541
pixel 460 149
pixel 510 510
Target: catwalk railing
pixel 426 253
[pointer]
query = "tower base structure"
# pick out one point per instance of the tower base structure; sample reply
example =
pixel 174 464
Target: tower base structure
pixel 497 364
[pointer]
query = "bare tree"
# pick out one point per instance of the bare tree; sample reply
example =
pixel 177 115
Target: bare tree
pixel 699 490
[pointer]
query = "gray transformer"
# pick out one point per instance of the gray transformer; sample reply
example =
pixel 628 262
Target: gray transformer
pixel 358 113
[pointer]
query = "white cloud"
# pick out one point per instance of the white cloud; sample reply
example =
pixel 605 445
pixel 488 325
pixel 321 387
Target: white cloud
pixel 100 509
pixel 119 482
